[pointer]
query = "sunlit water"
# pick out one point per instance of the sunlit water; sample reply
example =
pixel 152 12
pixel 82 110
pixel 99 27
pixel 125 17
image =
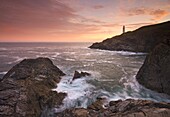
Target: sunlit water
pixel 112 72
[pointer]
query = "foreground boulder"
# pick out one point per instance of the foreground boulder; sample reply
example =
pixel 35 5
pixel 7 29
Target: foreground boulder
pixel 25 91
pixel 143 39
pixel 155 72
pixel 126 108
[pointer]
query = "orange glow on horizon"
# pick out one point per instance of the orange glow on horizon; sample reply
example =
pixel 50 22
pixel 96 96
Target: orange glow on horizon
pixel 76 21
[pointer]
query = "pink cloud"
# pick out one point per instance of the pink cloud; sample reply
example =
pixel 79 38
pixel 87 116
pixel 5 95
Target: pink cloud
pixel 98 6
pixel 156 14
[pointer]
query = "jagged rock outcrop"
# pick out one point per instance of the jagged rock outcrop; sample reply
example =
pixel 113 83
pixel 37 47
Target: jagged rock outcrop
pixel 126 108
pixel 80 74
pixel 143 39
pixel 155 72
pixel 25 91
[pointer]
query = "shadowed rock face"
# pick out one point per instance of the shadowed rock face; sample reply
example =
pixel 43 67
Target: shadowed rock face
pixel 25 91
pixel 127 108
pixel 143 39
pixel 155 72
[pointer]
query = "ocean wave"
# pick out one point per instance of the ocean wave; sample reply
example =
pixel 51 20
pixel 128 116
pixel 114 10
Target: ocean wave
pixel 3 73
pixel 120 52
pixel 129 53
pixel 70 59
pixel 1 49
pixel 34 52
pixel 104 61
pixel 88 64
pixel 78 92
pixel 89 60
pixel 17 59
pixel 56 54
pixel 133 90
pixel 70 53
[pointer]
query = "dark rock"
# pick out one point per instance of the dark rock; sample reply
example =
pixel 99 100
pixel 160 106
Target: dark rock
pixel 112 103
pixel 143 39
pixel 81 112
pixel 126 108
pixel 79 75
pixel 25 91
pixel 155 72
pixel 32 68
pixel 97 105
pixel 75 112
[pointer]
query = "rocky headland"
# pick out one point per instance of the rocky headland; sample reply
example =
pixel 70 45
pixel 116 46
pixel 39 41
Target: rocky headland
pixel 143 39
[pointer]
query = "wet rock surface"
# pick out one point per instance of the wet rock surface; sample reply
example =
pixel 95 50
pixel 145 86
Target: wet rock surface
pixel 143 39
pixel 155 72
pixel 25 91
pixel 126 108
pixel 80 74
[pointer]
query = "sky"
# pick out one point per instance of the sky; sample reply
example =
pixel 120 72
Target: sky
pixel 76 20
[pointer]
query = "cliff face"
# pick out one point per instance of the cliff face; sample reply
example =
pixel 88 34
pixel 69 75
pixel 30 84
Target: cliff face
pixel 25 91
pixel 143 39
pixel 155 72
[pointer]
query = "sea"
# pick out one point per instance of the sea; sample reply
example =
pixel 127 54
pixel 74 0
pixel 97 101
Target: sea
pixel 112 72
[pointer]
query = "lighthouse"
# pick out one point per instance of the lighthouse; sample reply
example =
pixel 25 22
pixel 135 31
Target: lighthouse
pixel 123 29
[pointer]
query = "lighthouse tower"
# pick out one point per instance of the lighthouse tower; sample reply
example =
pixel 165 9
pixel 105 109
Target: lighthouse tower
pixel 123 29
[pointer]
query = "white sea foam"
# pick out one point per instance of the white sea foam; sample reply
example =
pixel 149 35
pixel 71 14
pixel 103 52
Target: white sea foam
pixel 108 80
pixel 132 89
pixel 56 54
pixel 34 52
pixel 3 73
pixel 90 60
pixel 70 59
pixel 88 64
pixel 3 49
pixel 104 61
pixel 122 68
pixel 120 52
pixel 70 53
pixel 78 92
pixel 38 56
pixel 87 54
pixel 17 59
pixel 130 53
